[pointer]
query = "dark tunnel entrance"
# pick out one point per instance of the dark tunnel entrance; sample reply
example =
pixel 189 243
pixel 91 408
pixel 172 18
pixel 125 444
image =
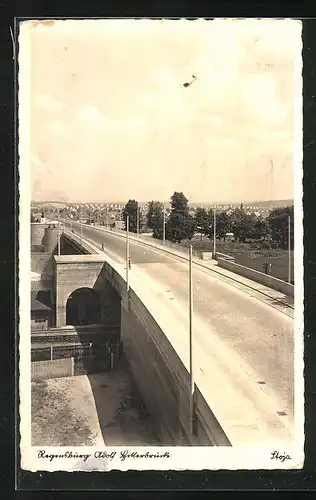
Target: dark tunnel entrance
pixel 83 307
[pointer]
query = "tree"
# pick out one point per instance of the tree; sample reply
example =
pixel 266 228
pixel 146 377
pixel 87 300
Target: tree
pixel 157 219
pixel 261 230
pixel 203 221
pixel 237 219
pixel 180 224
pixel 131 208
pixel 179 203
pixel 278 220
pixel 223 225
pixel 150 213
pixel 242 224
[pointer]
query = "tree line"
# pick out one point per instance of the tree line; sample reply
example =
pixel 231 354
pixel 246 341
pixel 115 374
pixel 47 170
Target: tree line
pixel 180 224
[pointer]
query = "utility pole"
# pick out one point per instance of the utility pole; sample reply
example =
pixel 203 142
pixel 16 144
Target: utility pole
pixel 58 237
pixel 164 226
pixel 289 247
pixel 81 228
pixel 137 220
pixel 127 252
pixel 192 408
pixel 214 234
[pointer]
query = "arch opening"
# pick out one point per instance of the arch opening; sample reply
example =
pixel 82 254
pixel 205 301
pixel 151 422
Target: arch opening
pixel 83 307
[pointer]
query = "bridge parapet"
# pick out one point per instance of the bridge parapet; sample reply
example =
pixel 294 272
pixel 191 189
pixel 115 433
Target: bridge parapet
pixel 265 279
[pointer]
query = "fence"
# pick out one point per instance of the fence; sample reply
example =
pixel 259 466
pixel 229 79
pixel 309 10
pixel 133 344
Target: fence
pixel 220 255
pixel 58 352
pixel 58 368
pixel 91 358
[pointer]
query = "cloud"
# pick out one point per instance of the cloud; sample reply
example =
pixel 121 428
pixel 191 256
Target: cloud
pixel 47 102
pixel 258 94
pixel 165 78
pixel 59 130
pixel 113 92
pixel 90 116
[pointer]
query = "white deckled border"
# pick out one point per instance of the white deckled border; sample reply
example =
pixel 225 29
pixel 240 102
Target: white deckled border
pixel 181 458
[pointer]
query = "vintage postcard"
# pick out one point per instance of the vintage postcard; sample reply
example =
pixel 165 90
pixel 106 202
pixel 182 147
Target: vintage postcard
pixel 160 244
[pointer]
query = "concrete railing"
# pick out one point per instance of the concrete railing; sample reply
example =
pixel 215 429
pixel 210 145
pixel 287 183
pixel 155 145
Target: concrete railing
pixel 220 255
pixel 257 276
pixel 86 246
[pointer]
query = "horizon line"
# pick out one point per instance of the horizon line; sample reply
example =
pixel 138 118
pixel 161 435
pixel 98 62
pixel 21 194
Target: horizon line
pixel 117 202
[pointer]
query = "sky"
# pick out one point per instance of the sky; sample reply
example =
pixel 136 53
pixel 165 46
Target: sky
pixel 109 118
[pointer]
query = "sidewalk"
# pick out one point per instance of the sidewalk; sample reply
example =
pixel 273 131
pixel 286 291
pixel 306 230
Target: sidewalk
pixel 274 294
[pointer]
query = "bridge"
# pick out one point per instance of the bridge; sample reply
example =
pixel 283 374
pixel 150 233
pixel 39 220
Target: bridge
pixel 243 342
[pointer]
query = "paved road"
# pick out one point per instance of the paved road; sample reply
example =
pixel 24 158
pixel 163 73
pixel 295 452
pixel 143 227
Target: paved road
pixel 260 335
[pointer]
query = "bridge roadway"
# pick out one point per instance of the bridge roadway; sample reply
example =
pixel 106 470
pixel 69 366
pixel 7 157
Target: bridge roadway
pixel 256 336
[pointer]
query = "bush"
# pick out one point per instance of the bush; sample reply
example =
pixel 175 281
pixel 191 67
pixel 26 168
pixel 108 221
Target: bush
pixel 266 244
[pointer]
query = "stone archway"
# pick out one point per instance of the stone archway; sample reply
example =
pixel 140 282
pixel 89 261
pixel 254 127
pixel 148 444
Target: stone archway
pixel 83 307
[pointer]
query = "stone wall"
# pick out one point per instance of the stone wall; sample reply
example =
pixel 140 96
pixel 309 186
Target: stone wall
pixel 71 276
pixel 37 233
pixel 46 238
pixel 264 279
pixel 39 325
pixel 42 263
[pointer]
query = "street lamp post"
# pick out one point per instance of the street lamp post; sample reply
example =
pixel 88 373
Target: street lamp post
pixel 214 234
pixel 164 226
pixel 137 220
pixel 192 406
pixel 289 248
pixel 81 229
pixel 127 252
pixel 58 237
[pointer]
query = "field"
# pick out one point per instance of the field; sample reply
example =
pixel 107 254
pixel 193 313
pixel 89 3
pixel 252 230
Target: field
pixel 249 255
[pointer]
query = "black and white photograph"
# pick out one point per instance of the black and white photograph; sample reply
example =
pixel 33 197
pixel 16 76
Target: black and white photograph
pixel 160 244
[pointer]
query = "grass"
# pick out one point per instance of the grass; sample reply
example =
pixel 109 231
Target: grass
pixel 248 254
pixel 54 422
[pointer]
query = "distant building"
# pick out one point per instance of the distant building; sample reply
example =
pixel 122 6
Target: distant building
pixel 119 224
pixel 230 236
pixel 41 310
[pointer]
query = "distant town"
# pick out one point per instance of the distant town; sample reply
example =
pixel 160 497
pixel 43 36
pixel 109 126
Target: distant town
pixel 108 213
